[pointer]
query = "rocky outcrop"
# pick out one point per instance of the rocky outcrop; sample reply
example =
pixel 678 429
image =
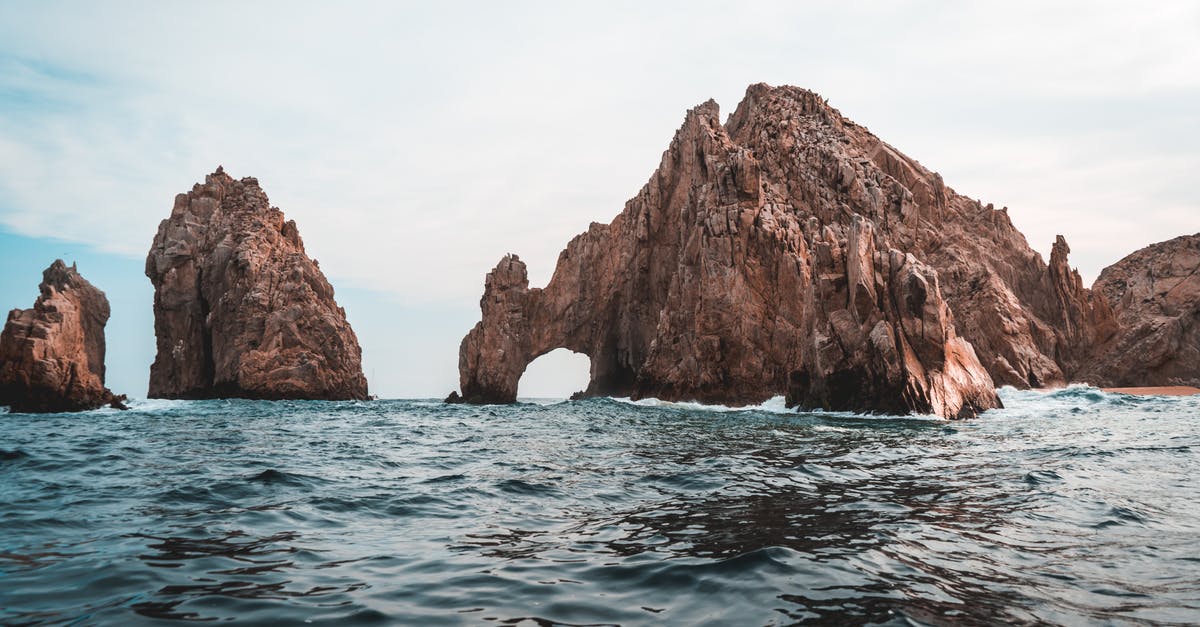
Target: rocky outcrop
pixel 1031 323
pixel 791 251
pixel 239 308
pixel 1155 293
pixel 787 251
pixel 52 356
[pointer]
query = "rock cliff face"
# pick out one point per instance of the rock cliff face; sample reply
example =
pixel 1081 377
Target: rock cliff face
pixel 1155 293
pixel 52 356
pixel 239 308
pixel 1031 323
pixel 791 251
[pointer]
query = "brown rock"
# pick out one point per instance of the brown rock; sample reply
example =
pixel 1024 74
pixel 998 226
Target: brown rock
pixel 239 308
pixel 763 257
pixel 52 356
pixel 1155 293
pixel 792 251
pixel 1030 323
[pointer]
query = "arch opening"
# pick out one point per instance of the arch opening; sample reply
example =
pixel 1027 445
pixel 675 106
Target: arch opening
pixel 555 375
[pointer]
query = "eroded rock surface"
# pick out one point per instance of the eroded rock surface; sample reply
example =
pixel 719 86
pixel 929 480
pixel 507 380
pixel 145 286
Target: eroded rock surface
pixel 1155 293
pixel 1031 323
pixel 789 251
pixel 239 308
pixel 52 356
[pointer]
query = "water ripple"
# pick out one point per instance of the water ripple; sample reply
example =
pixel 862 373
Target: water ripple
pixel 1073 506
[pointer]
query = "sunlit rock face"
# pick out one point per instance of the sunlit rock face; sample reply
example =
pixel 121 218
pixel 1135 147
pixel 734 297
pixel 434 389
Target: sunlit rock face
pixel 239 308
pixel 790 251
pixel 1155 293
pixel 52 355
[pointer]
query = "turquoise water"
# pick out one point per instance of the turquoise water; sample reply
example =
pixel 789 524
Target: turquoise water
pixel 1068 507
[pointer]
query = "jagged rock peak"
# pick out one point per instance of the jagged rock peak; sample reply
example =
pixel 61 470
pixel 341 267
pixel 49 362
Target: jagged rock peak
pixel 765 100
pixel 1008 302
pixel 52 355
pixel 240 308
pixel 61 277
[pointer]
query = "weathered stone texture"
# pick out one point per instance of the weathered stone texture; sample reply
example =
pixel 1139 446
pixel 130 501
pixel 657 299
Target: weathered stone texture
pixel 1155 293
pixel 52 355
pixel 790 251
pixel 239 308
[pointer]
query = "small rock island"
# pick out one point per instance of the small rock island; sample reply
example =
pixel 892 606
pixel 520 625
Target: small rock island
pixel 790 251
pixel 240 310
pixel 52 356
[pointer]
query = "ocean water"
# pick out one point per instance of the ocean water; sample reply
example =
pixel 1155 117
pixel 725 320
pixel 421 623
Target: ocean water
pixel 1071 507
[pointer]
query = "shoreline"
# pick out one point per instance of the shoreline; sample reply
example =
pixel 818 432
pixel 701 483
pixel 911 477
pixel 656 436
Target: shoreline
pixel 1163 390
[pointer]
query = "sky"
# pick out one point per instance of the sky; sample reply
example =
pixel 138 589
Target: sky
pixel 417 143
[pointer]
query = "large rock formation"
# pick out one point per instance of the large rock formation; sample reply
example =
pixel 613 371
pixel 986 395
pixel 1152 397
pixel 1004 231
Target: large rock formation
pixel 774 254
pixel 52 356
pixel 791 251
pixel 239 308
pixel 1155 293
pixel 1031 323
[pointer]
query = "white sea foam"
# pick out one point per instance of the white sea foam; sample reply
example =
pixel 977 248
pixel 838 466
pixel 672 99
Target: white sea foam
pixel 155 404
pixel 1071 394
pixel 831 428
pixel 775 404
pixel 543 401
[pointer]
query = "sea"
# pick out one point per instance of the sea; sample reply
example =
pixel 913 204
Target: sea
pixel 1068 507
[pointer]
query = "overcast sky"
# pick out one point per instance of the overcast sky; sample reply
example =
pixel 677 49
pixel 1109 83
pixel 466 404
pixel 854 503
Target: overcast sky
pixel 415 144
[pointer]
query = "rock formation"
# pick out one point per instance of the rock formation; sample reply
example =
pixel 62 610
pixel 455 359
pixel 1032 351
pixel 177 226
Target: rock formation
pixel 239 308
pixel 1031 323
pixel 769 255
pixel 791 251
pixel 52 356
pixel 1155 293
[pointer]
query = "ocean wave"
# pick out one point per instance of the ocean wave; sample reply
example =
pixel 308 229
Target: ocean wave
pixel 13 455
pixel 1082 393
pixel 584 512
pixel 775 404
pixel 151 405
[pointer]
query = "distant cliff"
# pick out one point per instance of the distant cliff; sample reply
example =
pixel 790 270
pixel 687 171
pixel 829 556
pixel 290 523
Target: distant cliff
pixel 1156 295
pixel 52 356
pixel 239 308
pixel 790 251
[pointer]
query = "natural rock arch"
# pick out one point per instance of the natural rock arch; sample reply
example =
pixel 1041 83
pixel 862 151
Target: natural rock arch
pixel 557 373
pixel 791 251
pixel 525 324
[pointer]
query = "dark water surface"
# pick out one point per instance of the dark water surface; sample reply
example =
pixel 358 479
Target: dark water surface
pixel 1071 507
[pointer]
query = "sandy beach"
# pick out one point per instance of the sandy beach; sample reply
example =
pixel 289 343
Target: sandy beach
pixel 1169 390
